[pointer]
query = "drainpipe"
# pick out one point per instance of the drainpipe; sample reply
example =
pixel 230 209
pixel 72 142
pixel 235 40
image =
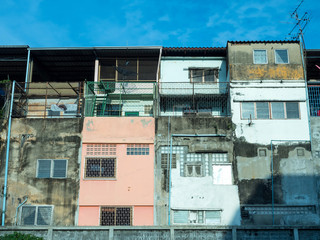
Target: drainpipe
pixel 7 157
pixel 15 218
pixel 272 182
pixel 183 135
pixel 306 88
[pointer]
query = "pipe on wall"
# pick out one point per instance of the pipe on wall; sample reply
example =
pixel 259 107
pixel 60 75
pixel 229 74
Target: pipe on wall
pixel 7 157
pixel 15 218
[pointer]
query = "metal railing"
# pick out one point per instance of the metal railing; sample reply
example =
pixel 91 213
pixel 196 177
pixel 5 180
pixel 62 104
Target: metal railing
pixel 314 100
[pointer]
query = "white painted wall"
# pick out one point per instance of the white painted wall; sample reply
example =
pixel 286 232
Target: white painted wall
pixel 199 193
pixel 263 131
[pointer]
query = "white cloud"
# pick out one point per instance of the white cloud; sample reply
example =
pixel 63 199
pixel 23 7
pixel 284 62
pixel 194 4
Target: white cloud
pixel 164 18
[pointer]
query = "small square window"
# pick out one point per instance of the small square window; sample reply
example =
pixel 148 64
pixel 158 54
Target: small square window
pixel 262 152
pixel 260 57
pixel 193 170
pixel 300 152
pixel 281 56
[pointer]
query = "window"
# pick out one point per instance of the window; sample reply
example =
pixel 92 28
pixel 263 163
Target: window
pixel 36 215
pixel 203 75
pixel 52 168
pixel 116 216
pixel 270 110
pixel 100 168
pixel 193 170
pixel 281 56
pixel 109 109
pixel 262 152
pixel 197 216
pixel 101 149
pixel 165 162
pixel 260 57
pixel 222 174
pixel 137 149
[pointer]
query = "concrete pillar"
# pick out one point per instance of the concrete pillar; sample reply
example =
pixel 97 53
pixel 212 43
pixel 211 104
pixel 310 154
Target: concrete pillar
pixel 234 233
pixel 172 233
pixel 110 233
pixel 49 234
pixel 295 234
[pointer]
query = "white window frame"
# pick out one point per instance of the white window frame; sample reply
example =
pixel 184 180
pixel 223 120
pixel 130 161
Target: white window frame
pixel 254 62
pixel 215 78
pixel 194 172
pixel 51 169
pixel 36 214
pixel 204 211
pixel 275 57
pixel 270 111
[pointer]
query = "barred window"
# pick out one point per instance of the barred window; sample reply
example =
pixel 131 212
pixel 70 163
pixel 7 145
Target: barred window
pixel 36 215
pixel 211 217
pixel 116 216
pixel 165 159
pixel 100 168
pixel 101 149
pixel 137 149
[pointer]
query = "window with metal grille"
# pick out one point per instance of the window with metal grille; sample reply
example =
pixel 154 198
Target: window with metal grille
pixel 193 170
pixel 137 149
pixel 36 215
pixel 165 162
pixel 203 75
pixel 52 168
pixel 260 57
pixel 281 56
pixel 100 168
pixel 197 216
pixel 101 149
pixel 116 216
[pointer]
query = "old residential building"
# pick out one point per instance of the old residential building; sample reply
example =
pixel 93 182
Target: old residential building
pixel 276 178
pixel 142 136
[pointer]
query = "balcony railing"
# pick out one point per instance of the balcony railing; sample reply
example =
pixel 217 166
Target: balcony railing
pixel 314 100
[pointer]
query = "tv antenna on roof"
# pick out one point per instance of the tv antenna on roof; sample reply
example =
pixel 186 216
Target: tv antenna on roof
pixel 301 24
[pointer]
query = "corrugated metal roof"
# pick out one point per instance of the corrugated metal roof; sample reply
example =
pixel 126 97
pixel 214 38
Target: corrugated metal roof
pixel 266 41
pixel 194 51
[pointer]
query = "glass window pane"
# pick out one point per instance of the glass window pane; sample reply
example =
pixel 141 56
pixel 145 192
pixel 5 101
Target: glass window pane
pixel 260 56
pixel 59 168
pixel 180 216
pixel 127 69
pixel 28 215
pixel 93 168
pixel 148 69
pixel 262 110
pixel 44 168
pixel 247 110
pixel 213 217
pixel 281 56
pixel 44 215
pixel 292 110
pixel 209 75
pixel 277 110
pixel 198 170
pixel 196 75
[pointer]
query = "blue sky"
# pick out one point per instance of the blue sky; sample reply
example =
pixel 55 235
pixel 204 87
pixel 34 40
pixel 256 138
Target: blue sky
pixel 175 23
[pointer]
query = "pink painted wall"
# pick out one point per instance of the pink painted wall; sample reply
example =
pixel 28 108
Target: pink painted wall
pixel 89 216
pixel 134 182
pixel 118 130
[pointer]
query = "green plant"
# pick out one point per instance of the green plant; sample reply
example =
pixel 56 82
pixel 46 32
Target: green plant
pixel 19 236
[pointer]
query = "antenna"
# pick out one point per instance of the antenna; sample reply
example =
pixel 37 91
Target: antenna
pixel 301 24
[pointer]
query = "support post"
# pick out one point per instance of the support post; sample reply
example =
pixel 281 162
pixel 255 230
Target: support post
pixel 7 157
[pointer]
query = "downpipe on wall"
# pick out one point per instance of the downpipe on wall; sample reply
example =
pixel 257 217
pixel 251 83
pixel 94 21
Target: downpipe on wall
pixel 7 157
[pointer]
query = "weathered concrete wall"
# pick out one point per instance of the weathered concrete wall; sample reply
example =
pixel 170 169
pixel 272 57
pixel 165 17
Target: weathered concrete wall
pixel 294 179
pixel 241 66
pixel 33 139
pixel 194 192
